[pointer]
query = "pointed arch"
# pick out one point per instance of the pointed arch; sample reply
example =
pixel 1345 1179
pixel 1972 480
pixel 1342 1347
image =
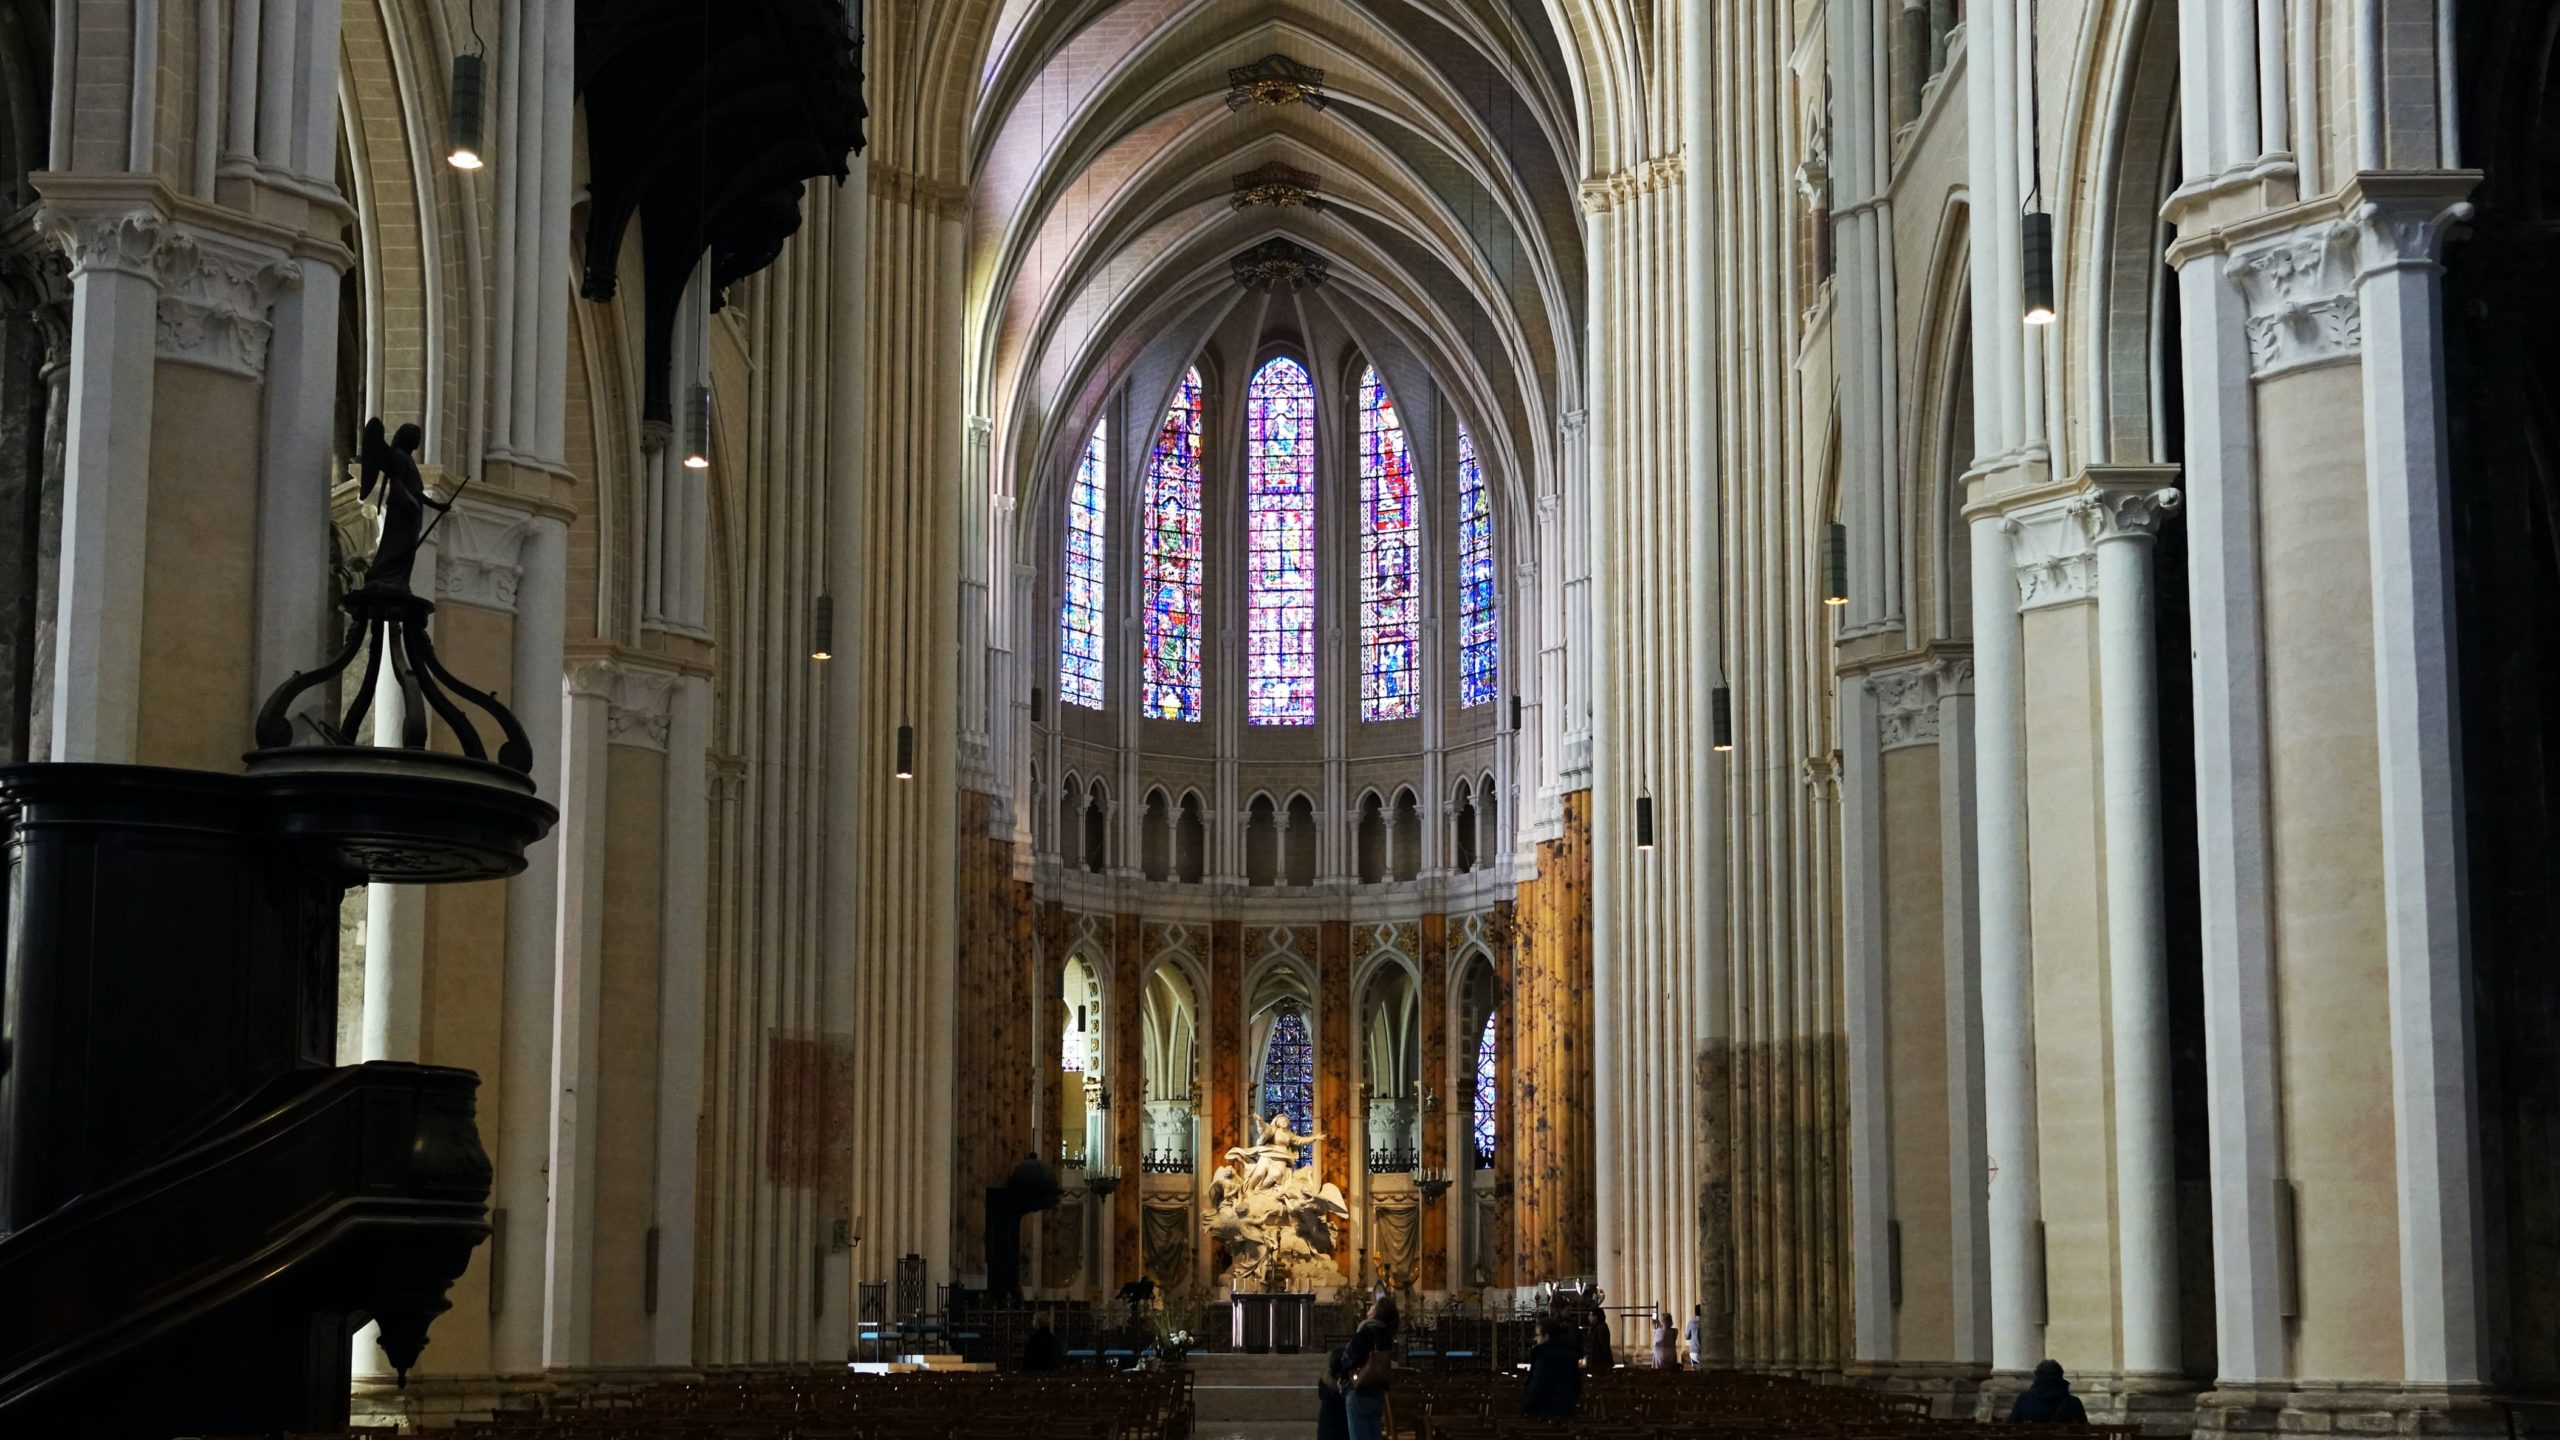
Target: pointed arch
pixel 1280 544
pixel 1171 562
pixel 1390 560
pixel 1082 606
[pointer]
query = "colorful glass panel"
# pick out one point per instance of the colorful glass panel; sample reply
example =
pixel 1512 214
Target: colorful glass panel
pixel 1289 1075
pixel 1171 582
pixel 1486 1095
pixel 1479 636
pixel 1080 609
pixel 1390 561
pixel 1280 547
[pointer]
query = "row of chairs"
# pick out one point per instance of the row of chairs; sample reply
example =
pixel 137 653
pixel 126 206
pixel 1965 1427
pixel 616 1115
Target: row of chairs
pixel 823 1403
pixel 1643 1404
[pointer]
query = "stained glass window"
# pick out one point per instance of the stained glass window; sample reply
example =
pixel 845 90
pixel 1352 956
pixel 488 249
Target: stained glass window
pixel 1280 547
pixel 1171 582
pixel 1289 1074
pixel 1479 638
pixel 1390 560
pixel 1485 1110
pixel 1080 611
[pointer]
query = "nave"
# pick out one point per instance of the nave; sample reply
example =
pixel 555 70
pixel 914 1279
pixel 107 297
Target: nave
pixel 680 679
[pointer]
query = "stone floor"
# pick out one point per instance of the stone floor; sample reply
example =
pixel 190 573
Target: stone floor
pixel 1255 1397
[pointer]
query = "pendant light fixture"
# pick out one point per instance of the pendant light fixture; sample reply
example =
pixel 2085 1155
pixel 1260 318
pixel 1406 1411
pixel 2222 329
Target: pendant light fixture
pixel 1723 715
pixel 1515 711
pixel 2035 227
pixel 470 95
pixel 906 752
pixel 1644 820
pixel 1039 706
pixel 697 427
pixel 2035 275
pixel 470 86
pixel 822 629
pixel 1835 564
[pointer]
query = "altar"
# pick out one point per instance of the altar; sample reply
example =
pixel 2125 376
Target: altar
pixel 1271 1323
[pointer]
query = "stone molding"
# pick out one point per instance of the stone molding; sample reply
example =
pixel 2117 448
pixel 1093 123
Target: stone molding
pixel 639 707
pixel 480 556
pixel 2301 293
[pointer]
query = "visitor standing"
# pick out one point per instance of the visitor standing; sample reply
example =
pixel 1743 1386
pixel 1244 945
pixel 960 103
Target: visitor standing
pixel 1554 1386
pixel 1666 1348
pixel 1367 1366
pixel 1596 1338
pixel 1696 1331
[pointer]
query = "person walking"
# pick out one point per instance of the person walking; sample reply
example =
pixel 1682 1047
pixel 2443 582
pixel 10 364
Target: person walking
pixel 1697 1330
pixel 1367 1367
pixel 2049 1400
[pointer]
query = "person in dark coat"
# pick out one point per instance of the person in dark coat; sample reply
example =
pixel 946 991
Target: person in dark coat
pixel 2049 1400
pixel 1596 1340
pixel 1333 1422
pixel 1368 1368
pixel 1040 1350
pixel 1554 1387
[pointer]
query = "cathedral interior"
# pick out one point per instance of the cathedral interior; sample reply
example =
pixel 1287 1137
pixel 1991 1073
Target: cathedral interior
pixel 1879 675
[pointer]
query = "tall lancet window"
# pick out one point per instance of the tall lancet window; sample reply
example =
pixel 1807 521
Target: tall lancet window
pixel 1280 547
pixel 1289 1074
pixel 1390 560
pixel 1479 637
pixel 1172 575
pixel 1488 1094
pixel 1080 612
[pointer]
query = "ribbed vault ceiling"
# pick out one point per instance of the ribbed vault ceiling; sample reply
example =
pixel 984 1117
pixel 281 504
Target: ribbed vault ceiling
pixel 1103 225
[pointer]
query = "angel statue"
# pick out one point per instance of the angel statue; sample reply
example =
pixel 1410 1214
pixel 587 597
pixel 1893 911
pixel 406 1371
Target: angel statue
pixel 1274 1216
pixel 405 502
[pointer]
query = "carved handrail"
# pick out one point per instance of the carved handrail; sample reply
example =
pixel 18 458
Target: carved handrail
pixel 379 1163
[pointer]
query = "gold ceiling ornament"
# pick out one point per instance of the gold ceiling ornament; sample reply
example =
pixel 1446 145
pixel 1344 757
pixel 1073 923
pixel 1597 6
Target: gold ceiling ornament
pixel 1280 264
pixel 1275 80
pixel 1280 187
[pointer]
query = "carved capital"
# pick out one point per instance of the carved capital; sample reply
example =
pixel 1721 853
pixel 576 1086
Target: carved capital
pixel 588 679
pixel 2128 514
pixel 2301 294
pixel 480 557
pixel 640 708
pixel 125 242
pixel 1906 705
pixel 2403 232
pixel 215 299
pixel 2049 544
pixel 1955 677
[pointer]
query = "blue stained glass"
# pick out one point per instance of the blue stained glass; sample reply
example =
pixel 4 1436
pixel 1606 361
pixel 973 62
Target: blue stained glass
pixel 1289 1075
pixel 1280 538
pixel 1479 635
pixel 1487 1093
pixel 1390 560
pixel 1080 612
pixel 1172 577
